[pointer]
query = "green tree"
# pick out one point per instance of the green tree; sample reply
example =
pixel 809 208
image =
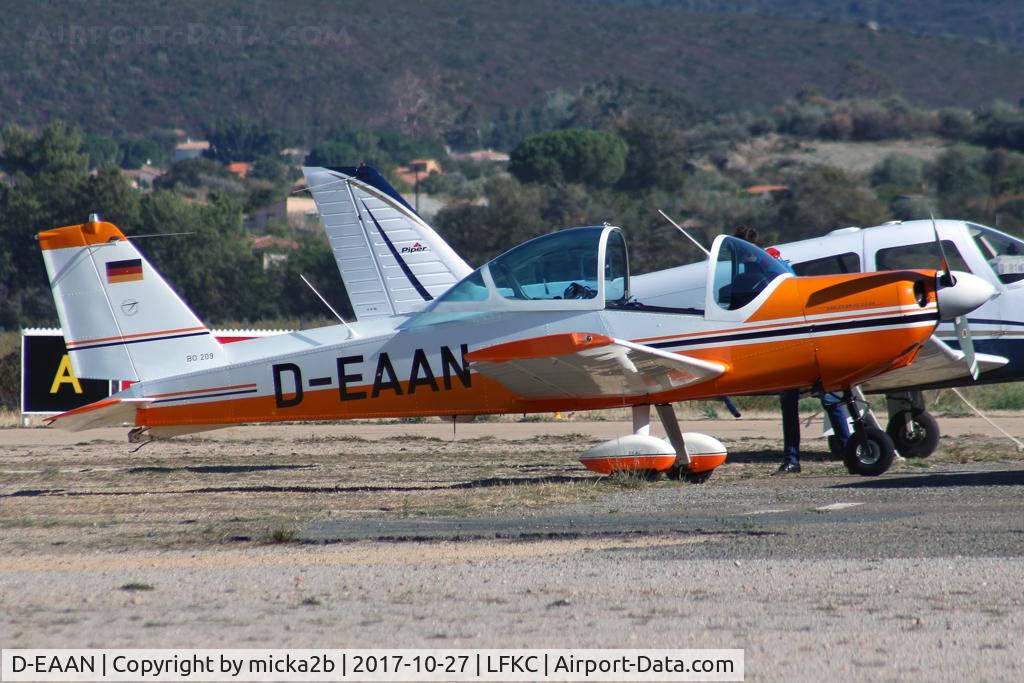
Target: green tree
pixel 657 156
pixel 381 149
pixel 315 261
pixel 102 151
pixel 960 184
pixel 213 269
pixel 238 139
pixel 825 198
pixel 899 171
pixel 50 186
pixel 956 124
pixel 576 155
pixel 142 152
pixel 1001 125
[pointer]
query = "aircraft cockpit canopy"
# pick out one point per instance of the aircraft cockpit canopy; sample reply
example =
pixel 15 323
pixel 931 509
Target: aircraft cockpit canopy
pixel 574 269
pixel 741 272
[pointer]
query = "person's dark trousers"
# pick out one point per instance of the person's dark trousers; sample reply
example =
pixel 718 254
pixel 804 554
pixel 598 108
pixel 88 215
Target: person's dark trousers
pixel 837 417
pixel 790 401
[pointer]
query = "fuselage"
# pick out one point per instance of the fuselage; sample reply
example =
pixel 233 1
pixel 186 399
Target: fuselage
pixel 833 330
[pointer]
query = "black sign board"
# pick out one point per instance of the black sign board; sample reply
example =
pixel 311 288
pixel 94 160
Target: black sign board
pixel 48 383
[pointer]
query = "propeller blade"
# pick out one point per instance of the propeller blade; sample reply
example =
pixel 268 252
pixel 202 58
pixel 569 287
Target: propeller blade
pixel 963 334
pixel 947 279
pixel 963 330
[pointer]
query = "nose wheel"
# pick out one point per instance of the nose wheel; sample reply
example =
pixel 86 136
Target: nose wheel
pixel 870 451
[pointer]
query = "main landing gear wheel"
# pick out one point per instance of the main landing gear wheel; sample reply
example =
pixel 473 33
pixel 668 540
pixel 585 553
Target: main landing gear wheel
pixel 692 477
pixel 915 433
pixel 869 454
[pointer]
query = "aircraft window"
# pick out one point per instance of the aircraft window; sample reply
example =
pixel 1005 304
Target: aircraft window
pixel 830 265
pixel 924 255
pixel 1004 253
pixel 472 288
pixel 562 265
pixel 616 269
pixel 742 272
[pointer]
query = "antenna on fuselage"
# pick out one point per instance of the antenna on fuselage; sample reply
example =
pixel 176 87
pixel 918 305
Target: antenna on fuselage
pixel 352 333
pixel 688 235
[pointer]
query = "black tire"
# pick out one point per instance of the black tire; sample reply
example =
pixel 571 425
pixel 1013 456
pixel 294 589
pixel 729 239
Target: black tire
pixel 877 459
pixel 677 473
pixel 917 438
pixel 697 477
pixel 645 475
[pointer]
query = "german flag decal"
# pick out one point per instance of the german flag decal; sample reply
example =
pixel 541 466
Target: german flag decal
pixel 124 271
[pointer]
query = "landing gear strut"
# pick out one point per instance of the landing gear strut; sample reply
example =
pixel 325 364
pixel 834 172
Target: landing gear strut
pixel 696 464
pixel 912 428
pixel 870 451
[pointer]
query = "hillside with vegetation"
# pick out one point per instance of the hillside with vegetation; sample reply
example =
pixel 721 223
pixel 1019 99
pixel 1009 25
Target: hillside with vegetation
pixel 318 67
pixel 993 22
pixel 879 125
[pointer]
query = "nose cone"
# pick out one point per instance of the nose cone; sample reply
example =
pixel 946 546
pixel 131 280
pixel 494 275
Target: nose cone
pixel 967 293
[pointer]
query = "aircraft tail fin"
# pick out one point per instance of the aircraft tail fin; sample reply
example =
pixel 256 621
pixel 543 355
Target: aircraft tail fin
pixel 119 317
pixel 391 261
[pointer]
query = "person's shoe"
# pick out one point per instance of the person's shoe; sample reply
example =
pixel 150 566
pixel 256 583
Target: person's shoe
pixel 788 468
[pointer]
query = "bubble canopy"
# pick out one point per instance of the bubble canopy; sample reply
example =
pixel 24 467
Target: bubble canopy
pixel 573 269
pixel 741 272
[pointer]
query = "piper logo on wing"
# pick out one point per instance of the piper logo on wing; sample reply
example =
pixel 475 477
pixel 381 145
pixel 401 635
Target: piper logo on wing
pixel 415 249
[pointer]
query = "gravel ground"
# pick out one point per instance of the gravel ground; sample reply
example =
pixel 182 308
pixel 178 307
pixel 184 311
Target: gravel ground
pixel 397 535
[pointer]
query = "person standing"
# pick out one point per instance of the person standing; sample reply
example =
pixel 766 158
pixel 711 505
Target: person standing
pixel 789 400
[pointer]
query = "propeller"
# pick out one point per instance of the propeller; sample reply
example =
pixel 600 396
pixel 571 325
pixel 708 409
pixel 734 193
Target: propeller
pixel 971 295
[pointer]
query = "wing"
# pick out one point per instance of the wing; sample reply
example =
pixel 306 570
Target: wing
pixel 581 365
pixel 937 362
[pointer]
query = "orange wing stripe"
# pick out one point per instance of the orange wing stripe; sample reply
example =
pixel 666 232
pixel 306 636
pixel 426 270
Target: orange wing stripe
pixel 539 347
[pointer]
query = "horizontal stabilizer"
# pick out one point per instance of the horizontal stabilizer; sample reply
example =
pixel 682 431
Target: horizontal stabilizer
pixel 937 362
pixel 110 412
pixel 583 365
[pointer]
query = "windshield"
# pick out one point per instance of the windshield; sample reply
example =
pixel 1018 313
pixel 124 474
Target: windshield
pixel 1004 253
pixel 742 271
pixel 560 271
pixel 562 265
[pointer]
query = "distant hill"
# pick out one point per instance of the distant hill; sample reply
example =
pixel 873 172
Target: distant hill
pixel 997 22
pixel 315 66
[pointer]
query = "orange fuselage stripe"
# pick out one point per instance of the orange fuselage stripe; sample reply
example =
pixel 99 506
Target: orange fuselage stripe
pixel 765 367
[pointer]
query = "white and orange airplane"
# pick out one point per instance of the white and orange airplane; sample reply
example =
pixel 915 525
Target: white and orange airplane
pixel 547 326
